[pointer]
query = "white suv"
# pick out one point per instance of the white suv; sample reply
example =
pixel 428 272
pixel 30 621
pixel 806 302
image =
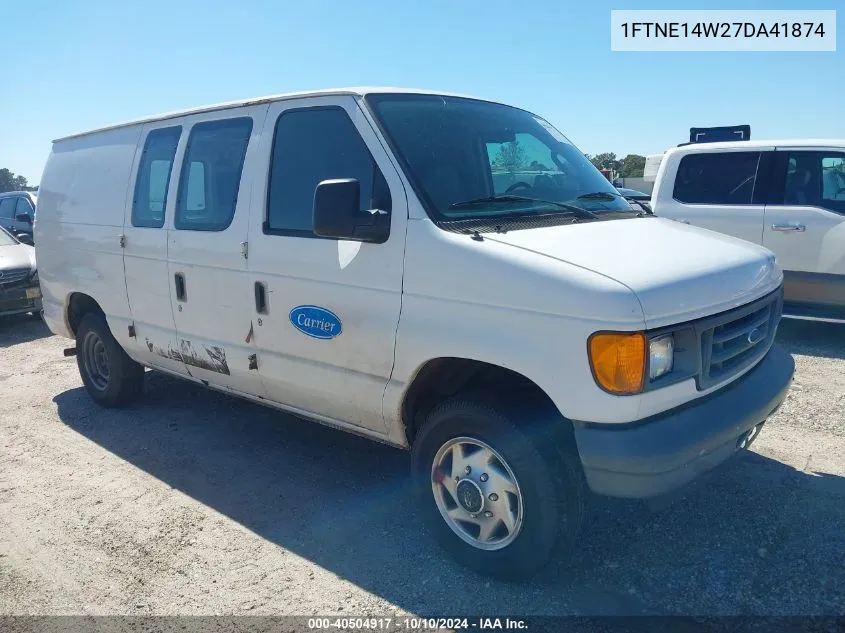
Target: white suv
pixel 440 273
pixel 788 196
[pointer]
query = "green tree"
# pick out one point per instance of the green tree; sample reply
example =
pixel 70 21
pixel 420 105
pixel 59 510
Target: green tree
pixel 633 166
pixel 606 160
pixel 511 157
pixel 10 182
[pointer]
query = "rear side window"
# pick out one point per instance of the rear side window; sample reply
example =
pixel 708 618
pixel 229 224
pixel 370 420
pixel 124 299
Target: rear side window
pixel 815 179
pixel 717 178
pixel 154 177
pixel 310 146
pixel 7 208
pixel 211 174
pixel 833 181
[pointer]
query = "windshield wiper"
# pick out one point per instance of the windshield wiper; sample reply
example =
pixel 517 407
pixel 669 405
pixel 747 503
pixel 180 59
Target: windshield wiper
pixel 600 195
pixel 477 201
pixel 573 209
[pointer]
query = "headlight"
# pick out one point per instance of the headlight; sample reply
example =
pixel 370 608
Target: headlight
pixel 618 361
pixel 661 352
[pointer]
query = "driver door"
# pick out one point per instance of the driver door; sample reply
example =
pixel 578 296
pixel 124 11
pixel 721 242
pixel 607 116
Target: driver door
pixel 325 311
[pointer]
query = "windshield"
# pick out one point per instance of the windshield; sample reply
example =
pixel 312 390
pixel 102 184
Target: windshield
pixel 6 239
pixel 457 151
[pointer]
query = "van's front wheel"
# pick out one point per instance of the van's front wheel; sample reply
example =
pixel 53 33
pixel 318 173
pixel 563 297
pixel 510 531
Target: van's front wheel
pixel 111 378
pixel 490 497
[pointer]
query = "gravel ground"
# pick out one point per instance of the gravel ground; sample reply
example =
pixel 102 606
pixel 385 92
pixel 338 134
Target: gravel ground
pixel 193 502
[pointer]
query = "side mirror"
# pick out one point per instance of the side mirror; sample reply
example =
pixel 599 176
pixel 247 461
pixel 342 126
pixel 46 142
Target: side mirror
pixel 24 217
pixel 337 213
pixel 25 238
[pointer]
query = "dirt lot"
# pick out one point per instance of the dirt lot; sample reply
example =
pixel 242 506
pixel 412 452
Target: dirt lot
pixel 196 503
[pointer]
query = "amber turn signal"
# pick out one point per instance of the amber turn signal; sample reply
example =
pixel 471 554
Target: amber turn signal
pixel 618 361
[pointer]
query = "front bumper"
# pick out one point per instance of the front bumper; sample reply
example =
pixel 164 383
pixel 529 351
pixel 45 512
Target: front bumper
pixel 20 300
pixel 658 455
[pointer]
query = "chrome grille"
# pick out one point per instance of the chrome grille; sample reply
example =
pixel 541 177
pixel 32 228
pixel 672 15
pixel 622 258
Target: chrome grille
pixel 13 275
pixel 737 339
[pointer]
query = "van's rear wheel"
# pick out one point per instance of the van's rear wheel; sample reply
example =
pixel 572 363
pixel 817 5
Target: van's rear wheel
pixel 111 378
pixel 490 497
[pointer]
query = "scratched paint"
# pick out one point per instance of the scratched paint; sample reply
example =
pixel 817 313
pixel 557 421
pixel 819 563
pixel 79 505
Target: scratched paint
pixel 211 357
pixel 168 353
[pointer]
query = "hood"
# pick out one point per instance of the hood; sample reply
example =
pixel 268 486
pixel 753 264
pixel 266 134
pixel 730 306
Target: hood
pixel 678 272
pixel 17 256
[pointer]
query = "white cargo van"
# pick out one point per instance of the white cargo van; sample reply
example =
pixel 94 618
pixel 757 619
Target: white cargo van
pixel 440 273
pixel 788 196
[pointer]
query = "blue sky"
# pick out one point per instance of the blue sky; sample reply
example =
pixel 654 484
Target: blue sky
pixel 76 66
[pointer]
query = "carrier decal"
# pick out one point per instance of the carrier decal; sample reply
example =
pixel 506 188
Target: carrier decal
pixel 316 322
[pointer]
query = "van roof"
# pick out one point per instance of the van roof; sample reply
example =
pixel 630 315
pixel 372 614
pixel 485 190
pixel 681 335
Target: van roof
pixel 356 91
pixel 780 143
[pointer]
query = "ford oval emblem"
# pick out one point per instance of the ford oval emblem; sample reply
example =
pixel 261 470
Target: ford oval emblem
pixel 755 336
pixel 316 322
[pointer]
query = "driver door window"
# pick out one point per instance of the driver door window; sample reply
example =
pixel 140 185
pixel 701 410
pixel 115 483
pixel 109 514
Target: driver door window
pixel 24 207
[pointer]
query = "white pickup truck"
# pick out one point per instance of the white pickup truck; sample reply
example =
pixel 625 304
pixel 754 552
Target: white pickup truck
pixel 444 274
pixel 788 196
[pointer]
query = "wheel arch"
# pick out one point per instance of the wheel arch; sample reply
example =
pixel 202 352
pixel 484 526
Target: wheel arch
pixel 440 378
pixel 77 305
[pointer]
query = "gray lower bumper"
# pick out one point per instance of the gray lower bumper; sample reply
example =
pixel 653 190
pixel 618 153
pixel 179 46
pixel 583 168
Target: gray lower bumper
pixel 655 456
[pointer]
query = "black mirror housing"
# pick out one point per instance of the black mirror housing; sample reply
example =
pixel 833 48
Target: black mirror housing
pixel 25 238
pixel 23 217
pixel 337 213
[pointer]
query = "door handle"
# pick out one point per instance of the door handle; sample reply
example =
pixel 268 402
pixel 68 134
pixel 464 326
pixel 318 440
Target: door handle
pixel 260 297
pixel 684 221
pixel 179 281
pixel 792 226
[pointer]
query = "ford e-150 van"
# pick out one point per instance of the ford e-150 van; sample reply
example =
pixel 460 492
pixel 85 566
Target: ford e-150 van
pixel 441 273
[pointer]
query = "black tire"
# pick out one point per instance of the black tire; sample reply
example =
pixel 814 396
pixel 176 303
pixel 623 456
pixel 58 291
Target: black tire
pixel 549 479
pixel 124 378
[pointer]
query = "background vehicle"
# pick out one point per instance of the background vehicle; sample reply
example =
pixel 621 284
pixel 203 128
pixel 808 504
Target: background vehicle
pixel 633 194
pixel 640 198
pixel 17 213
pixel 19 289
pixel 652 166
pixel 440 273
pixel 788 196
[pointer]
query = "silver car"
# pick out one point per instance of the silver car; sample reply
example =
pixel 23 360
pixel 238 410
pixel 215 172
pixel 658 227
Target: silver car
pixel 19 289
